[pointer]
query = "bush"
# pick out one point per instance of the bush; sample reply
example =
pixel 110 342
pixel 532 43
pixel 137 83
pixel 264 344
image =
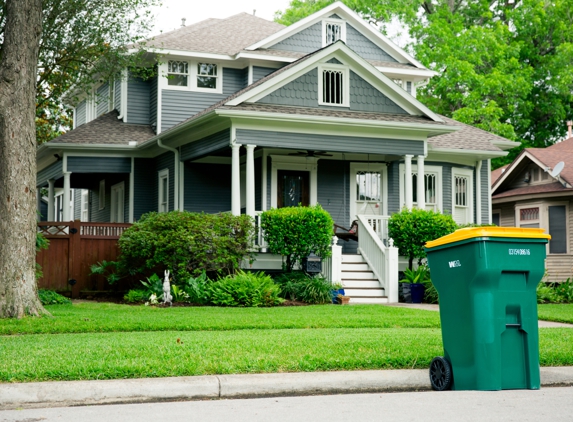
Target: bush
pixel 186 243
pixel 295 232
pixel 555 292
pixel 245 289
pixel 412 229
pixel 197 289
pixel 305 288
pixel 430 293
pixel 50 297
pixel 136 296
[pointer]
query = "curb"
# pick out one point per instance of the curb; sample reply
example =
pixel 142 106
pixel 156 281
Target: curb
pixel 81 393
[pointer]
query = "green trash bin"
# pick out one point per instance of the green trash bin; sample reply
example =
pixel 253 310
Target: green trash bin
pixel 487 278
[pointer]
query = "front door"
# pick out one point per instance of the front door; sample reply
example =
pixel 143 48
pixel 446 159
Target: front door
pixel 292 188
pixel 367 189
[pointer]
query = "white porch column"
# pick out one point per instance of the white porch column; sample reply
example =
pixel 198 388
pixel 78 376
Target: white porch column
pixel 236 181
pixel 251 180
pixel 392 265
pixel 420 188
pixel 408 176
pixel 478 192
pixel 336 261
pixel 66 206
pixel 51 198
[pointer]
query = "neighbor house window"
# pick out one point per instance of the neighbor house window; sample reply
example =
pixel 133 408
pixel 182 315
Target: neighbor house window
pixel 529 217
pixel 333 86
pixel 557 219
pixel 178 73
pixel 163 191
pixel 332 31
pixel 207 75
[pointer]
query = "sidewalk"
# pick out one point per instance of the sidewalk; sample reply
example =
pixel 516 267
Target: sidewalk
pixel 78 393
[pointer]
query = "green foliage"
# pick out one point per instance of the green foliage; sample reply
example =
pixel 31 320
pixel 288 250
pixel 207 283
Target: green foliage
pixel 245 290
pixel 179 295
pixel 109 269
pixel 197 289
pixel 430 292
pixel 41 243
pixel 299 286
pixel 136 296
pixel 295 232
pixel 419 275
pixel 555 292
pixel 412 229
pixel 153 285
pixel 50 297
pixel 186 243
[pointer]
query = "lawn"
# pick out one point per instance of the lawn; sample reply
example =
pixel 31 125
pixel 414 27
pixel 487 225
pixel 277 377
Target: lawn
pixel 556 312
pixel 106 341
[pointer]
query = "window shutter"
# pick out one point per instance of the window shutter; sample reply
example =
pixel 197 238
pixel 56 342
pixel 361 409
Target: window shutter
pixel 558 229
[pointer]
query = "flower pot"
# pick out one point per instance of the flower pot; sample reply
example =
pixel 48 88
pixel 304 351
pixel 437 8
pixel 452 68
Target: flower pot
pixel 334 293
pixel 417 291
pixel 343 300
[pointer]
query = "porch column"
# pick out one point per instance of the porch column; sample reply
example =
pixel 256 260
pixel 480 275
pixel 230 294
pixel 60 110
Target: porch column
pixel 408 176
pixel 66 206
pixel 251 180
pixel 236 181
pixel 38 203
pixel 51 205
pixel 421 178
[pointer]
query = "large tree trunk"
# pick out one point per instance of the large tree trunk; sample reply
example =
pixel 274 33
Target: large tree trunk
pixel 18 63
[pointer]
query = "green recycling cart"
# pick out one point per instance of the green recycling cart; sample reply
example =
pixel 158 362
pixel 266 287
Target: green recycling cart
pixel 486 278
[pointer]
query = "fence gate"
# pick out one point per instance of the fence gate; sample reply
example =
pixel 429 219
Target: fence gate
pixel 74 248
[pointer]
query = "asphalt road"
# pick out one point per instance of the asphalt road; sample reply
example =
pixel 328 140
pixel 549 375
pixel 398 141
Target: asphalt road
pixel 548 404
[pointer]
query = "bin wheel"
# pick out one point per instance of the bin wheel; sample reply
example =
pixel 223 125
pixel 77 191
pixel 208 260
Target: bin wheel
pixel 441 375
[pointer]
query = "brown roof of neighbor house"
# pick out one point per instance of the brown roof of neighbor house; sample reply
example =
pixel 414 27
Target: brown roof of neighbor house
pixel 468 138
pixel 496 173
pixel 217 36
pixel 530 190
pixel 550 156
pixel 107 129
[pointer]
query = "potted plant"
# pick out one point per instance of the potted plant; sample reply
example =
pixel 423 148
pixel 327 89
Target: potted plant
pixel 337 290
pixel 416 279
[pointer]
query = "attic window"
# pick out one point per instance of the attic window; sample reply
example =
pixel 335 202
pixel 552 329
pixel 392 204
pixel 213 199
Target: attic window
pixel 333 30
pixel 178 73
pixel 333 86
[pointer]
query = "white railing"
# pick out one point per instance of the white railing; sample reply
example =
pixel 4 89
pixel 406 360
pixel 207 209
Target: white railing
pixel 260 243
pixel 332 266
pixel 379 224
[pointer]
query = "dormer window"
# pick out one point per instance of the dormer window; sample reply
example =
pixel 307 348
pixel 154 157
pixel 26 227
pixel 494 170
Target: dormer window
pixel 178 73
pixel 207 75
pixel 332 31
pixel 333 85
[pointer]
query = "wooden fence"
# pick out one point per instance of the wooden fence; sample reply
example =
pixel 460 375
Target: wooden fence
pixel 74 248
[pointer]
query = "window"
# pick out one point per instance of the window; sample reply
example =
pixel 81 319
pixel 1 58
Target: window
pixel 558 228
pixel 178 73
pixel 163 191
pixel 207 75
pixel 529 217
pixel 84 207
pixel 432 187
pixel 101 194
pixel 333 85
pixel 332 31
pixel 368 195
pixel 551 217
pixel 462 195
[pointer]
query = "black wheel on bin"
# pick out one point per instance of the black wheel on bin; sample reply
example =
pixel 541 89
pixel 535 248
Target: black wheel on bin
pixel 441 376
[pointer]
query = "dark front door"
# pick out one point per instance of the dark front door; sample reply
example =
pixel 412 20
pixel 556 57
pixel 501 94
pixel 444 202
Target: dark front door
pixel 293 188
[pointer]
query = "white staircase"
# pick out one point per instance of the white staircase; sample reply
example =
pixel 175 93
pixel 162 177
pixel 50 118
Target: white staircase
pixel 359 282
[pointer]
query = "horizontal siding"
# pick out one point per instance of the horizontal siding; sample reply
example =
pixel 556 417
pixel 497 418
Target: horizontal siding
pixel 138 101
pixel 153 101
pixel 104 215
pixel 233 80
pixel 485 199
pixel 260 72
pixel 207 187
pixel 53 171
pixel 117 94
pixel 206 145
pixel 145 178
pixel 329 142
pixel 99 164
pixel 81 113
pixel 102 99
pixel 393 187
pixel 77 204
pixel 364 47
pixel 305 41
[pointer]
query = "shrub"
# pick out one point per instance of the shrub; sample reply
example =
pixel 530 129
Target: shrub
pixel 430 292
pixel 50 297
pixel 245 289
pixel 153 285
pixel 186 243
pixel 136 296
pixel 197 288
pixel 295 232
pixel 297 285
pixel 412 229
pixel 555 292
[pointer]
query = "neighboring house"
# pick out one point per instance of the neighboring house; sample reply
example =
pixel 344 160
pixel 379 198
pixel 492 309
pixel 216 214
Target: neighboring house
pixel 533 192
pixel 246 114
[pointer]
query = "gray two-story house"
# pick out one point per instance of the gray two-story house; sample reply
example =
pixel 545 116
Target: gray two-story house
pixel 245 115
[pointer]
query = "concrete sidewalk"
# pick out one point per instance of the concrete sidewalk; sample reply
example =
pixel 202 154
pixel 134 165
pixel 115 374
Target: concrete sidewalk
pixel 78 393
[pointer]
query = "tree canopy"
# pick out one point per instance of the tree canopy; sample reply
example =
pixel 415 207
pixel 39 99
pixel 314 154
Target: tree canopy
pixel 83 42
pixel 505 66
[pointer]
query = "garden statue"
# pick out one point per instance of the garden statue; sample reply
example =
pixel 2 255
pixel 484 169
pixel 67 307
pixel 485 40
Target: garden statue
pixel 167 298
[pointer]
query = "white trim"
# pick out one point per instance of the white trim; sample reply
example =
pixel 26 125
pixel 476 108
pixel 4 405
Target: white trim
pixel 192 76
pixel 340 22
pixel 285 162
pixel 437 170
pixel 264 182
pixel 479 217
pixel 468 173
pixel 85 206
pixel 514 164
pixel 162 175
pixel 489 192
pixel 345 83
pixel 131 191
pixel 379 167
pixel 250 75
pixel 115 208
pixel 123 95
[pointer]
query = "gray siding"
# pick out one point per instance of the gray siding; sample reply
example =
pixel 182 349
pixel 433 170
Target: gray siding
pixel 117 94
pixel 81 113
pixel 206 145
pixel 303 92
pixel 393 187
pixel 138 101
pixel 446 186
pixel 102 99
pixel 104 215
pixel 145 177
pixel 99 164
pixel 364 47
pixel 485 199
pixel 77 204
pixel 53 171
pixel 153 102
pixel 329 143
pixel 305 41
pixel 233 80
pixel 207 187
pixel 165 161
pixel 260 72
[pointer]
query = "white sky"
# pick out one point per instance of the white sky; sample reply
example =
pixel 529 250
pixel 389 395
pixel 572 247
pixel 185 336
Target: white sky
pixel 168 17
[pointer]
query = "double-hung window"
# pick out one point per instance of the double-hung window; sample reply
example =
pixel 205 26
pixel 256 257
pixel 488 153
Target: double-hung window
pixel 432 187
pixel 333 85
pixel 207 76
pixel 462 195
pixel 178 73
pixel 199 76
pixel 163 191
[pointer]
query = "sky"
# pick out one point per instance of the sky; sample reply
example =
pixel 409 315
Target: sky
pixel 168 17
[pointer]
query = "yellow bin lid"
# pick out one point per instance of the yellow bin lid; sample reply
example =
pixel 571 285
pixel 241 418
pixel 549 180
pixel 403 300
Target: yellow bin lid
pixel 490 231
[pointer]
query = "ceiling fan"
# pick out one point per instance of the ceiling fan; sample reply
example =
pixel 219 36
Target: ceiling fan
pixel 310 153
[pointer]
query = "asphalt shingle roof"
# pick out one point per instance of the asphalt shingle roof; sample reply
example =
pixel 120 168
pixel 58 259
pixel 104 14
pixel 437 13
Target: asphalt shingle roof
pixel 550 156
pixel 468 138
pixel 530 190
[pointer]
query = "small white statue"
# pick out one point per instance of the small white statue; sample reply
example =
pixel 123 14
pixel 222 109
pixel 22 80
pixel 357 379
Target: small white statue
pixel 167 298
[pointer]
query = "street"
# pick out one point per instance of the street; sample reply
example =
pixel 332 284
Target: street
pixel 548 404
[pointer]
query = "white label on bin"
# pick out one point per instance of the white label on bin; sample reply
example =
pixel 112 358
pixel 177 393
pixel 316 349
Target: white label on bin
pixel 454 264
pixel 519 252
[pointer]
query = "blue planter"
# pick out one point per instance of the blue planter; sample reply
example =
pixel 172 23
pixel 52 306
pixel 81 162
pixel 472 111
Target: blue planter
pixel 334 293
pixel 417 292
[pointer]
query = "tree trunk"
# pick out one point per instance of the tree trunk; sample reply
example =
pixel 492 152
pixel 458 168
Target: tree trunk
pixel 18 67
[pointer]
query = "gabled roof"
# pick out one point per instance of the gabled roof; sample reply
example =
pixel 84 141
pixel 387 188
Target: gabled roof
pixel 495 174
pixel 217 36
pixel 352 17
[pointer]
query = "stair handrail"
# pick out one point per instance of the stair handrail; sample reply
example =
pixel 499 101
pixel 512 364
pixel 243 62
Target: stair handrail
pixel 372 249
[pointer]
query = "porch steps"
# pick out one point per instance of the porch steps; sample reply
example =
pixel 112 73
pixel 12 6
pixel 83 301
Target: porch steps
pixel 359 282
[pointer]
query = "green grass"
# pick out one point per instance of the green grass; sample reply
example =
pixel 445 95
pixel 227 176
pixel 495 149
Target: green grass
pixel 556 312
